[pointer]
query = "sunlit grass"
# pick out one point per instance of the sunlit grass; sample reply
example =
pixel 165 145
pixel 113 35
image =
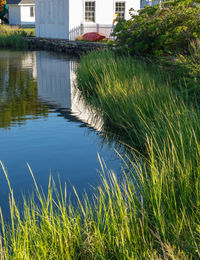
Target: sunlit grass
pixel 135 218
pixel 141 107
pixel 12 37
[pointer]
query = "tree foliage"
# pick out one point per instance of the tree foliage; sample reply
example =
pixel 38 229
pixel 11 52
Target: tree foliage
pixel 158 31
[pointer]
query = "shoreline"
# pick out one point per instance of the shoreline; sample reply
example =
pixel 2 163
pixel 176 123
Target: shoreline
pixel 76 48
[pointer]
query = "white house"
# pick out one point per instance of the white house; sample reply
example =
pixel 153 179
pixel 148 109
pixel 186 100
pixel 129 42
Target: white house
pixel 21 12
pixel 67 19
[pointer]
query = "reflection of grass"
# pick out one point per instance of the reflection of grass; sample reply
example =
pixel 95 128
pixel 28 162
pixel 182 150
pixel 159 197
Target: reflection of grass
pixel 12 37
pixel 20 97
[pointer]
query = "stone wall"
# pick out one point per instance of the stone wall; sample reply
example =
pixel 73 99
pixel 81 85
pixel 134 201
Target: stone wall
pixel 77 48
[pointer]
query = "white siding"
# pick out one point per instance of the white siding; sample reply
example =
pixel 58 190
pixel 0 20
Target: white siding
pixel 76 18
pixel 14 15
pixel 64 19
pixel 52 18
pixel 26 18
pixel 105 13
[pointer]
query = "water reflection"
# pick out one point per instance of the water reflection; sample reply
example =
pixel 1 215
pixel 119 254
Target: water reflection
pixel 21 95
pixel 56 84
pixel 18 89
pixel 41 122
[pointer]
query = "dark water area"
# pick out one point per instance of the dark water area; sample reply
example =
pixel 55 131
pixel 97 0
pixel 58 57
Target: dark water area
pixel 44 122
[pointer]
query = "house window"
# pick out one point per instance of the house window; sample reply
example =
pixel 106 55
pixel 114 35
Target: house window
pixel 32 11
pixel 90 11
pixel 120 10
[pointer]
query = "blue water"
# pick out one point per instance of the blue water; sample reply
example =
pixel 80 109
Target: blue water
pixel 44 122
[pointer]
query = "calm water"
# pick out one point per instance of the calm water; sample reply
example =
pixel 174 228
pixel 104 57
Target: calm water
pixel 44 122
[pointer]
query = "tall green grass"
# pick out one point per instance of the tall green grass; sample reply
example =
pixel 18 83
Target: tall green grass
pixel 139 218
pixel 141 107
pixel 153 211
pixel 12 38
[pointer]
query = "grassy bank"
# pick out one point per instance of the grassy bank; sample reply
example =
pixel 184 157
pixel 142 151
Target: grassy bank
pixel 153 212
pixel 13 37
pixel 144 107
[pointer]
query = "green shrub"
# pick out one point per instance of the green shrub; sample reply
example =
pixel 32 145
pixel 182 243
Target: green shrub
pixel 158 31
pixel 191 63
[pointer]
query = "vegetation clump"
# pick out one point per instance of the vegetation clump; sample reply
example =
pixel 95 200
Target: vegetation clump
pixel 158 32
pixel 13 37
pixel 141 107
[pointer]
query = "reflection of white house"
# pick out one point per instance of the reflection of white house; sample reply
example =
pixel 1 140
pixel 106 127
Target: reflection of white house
pixel 53 79
pixel 56 77
pixel 29 63
pixel 67 19
pixel 21 12
pixel 9 59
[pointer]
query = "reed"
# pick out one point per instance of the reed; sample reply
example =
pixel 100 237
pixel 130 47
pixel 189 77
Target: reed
pixel 12 37
pixel 142 107
pixel 143 217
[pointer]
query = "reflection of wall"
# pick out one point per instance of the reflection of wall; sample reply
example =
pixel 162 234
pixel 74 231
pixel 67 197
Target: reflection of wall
pixel 56 85
pixel 29 62
pixel 25 60
pixel 79 107
pixel 53 79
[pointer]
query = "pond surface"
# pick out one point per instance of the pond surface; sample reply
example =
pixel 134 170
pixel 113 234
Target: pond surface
pixel 44 122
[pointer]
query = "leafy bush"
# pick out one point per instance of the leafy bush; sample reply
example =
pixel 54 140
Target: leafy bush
pixel 158 31
pixel 191 63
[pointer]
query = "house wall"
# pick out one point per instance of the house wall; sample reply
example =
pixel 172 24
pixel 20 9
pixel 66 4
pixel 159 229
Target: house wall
pixel 26 19
pixel 105 13
pixel 64 19
pixel 14 15
pixel 76 18
pixel 52 18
